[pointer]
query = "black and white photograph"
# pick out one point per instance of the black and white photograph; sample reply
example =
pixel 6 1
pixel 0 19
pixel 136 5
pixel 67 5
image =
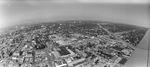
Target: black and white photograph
pixel 74 33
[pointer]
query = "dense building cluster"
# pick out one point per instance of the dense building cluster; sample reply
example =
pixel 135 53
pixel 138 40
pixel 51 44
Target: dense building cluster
pixel 69 44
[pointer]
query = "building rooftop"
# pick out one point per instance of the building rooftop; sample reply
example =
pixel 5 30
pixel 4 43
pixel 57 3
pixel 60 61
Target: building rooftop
pixel 63 51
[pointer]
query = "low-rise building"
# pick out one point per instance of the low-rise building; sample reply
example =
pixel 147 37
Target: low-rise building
pixel 77 62
pixel 39 53
pixel 16 54
pixel 63 52
pixel 28 59
pixel 60 63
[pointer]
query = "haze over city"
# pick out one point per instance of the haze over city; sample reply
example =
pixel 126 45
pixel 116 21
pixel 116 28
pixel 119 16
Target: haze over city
pixel 20 12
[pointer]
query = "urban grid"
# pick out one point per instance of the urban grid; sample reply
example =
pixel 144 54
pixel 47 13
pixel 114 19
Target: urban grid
pixel 69 44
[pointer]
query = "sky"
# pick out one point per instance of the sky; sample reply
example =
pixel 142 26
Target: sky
pixel 13 12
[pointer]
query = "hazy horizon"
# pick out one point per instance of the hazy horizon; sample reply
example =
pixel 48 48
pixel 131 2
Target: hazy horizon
pixel 21 12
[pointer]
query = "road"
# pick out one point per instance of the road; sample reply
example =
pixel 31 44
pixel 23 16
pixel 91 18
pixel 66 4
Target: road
pixel 33 53
pixel 116 36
